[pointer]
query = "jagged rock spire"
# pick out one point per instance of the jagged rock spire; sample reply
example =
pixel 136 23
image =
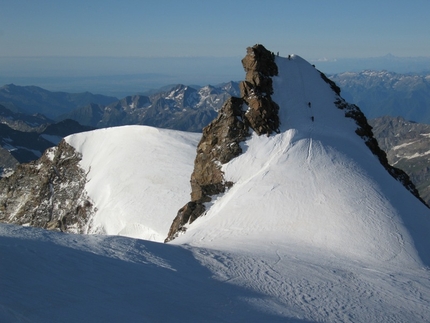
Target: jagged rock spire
pixel 256 90
pixel 221 139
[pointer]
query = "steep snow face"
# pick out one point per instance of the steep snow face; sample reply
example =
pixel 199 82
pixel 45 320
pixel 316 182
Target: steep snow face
pixel 315 185
pixel 138 177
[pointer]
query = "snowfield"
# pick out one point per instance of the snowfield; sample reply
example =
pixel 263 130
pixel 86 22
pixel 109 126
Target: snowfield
pixel 138 178
pixel 313 230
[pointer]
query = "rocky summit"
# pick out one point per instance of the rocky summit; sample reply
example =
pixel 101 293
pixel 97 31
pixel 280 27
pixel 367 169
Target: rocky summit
pixel 255 111
pixel 221 139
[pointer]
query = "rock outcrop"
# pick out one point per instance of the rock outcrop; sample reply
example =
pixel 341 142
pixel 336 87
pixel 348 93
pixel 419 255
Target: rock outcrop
pixel 48 193
pixel 221 139
pixel 219 144
pixel 256 90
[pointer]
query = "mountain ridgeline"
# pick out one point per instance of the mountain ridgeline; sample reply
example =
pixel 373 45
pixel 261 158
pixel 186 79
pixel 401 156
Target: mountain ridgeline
pixel 35 100
pixel 254 111
pixel 384 93
pixel 407 146
pixel 178 107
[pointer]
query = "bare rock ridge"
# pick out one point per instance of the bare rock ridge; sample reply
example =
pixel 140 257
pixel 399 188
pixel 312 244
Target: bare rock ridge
pixel 364 130
pixel 221 139
pixel 48 193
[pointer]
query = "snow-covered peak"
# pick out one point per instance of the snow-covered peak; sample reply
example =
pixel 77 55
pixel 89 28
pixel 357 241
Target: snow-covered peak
pixel 314 185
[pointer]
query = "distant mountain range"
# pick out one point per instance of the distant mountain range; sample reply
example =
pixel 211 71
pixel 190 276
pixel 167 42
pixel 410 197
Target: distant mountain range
pixel 178 107
pixel 380 93
pixel 33 99
pixel 377 93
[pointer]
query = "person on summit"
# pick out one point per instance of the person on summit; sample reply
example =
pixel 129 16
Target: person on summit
pixel 309 104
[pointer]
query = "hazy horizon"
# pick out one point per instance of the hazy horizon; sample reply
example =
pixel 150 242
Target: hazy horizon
pixel 97 45
pixel 122 76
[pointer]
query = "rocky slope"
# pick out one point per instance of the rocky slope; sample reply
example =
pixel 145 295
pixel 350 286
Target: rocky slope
pixel 407 145
pixel 22 121
pixel 48 193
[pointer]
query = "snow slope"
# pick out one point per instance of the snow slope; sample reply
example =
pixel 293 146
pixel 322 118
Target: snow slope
pixel 138 178
pixel 313 230
pixel 315 184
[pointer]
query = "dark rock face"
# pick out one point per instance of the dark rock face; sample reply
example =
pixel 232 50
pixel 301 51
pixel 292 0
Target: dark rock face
pixel 220 143
pixel 48 193
pixel 221 139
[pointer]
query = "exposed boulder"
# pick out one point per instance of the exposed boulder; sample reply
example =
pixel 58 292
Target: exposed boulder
pixel 221 139
pixel 48 193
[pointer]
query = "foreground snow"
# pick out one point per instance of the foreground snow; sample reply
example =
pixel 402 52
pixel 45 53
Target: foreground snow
pixel 54 277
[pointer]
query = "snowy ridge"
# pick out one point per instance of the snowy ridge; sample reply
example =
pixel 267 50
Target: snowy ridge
pixel 315 184
pixel 137 176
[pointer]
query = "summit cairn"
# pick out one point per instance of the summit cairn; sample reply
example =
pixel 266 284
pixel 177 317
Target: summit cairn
pixel 221 139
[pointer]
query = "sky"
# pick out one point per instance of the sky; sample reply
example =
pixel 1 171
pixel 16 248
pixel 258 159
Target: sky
pixel 123 31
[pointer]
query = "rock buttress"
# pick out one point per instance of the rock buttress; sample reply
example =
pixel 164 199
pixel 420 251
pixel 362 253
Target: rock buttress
pixel 220 143
pixel 221 139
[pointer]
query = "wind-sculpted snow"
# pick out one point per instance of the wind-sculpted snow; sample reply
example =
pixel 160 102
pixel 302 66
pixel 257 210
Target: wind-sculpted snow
pixel 52 277
pixel 55 277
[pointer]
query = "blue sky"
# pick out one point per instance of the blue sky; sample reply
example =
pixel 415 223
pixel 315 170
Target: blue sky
pixel 149 28
pixel 215 29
